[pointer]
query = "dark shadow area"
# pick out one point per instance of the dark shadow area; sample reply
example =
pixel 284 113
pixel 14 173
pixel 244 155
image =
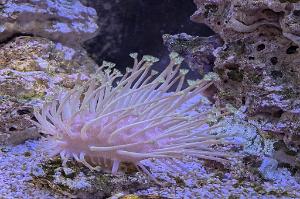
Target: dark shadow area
pixel 137 26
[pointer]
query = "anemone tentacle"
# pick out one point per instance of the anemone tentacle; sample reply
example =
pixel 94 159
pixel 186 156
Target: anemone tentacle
pixel 116 118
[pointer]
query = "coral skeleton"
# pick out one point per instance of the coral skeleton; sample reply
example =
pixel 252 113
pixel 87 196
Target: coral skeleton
pixel 115 118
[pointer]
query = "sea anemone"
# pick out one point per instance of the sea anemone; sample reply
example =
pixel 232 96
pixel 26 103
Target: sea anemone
pixel 116 118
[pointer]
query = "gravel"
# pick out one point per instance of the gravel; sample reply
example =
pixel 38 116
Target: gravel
pixel 17 165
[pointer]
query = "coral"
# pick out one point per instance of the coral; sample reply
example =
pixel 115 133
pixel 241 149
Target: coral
pixel 129 118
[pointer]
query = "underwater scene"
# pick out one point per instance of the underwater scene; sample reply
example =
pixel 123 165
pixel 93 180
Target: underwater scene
pixel 149 99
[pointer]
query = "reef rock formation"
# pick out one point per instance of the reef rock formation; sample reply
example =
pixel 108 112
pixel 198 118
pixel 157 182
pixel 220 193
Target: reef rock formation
pixel 258 62
pixel 76 181
pixel 40 51
pixel 30 70
pixel 65 21
pixel 198 51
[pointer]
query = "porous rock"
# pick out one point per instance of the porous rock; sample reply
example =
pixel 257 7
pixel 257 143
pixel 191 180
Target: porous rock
pixel 65 21
pixel 258 62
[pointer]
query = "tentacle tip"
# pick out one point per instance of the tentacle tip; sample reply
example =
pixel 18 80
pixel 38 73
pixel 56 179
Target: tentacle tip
pixel 183 71
pixel 211 76
pixel 97 168
pixel 108 64
pixel 133 55
pixel 93 148
pixel 150 59
pixel 173 55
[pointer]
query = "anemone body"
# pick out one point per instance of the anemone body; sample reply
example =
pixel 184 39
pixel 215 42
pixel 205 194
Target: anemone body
pixel 118 118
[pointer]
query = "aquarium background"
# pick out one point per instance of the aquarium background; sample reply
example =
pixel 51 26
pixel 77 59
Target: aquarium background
pixel 221 121
pixel 138 26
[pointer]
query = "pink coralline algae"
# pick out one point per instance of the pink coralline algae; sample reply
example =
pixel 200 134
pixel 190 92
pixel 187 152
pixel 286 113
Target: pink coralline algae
pixel 116 118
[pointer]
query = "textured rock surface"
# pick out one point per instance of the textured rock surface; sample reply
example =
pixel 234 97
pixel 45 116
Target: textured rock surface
pixel 198 54
pixel 198 51
pixel 15 126
pixel 30 69
pixel 79 181
pixel 40 54
pixel 258 63
pixel 66 21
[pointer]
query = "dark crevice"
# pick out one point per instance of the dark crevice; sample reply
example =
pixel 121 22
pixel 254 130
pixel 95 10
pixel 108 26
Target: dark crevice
pixel 274 60
pixel 260 47
pixel 12 37
pixel 23 111
pixel 269 111
pixel 292 50
pixel 33 118
pixel 278 113
pixel 12 128
pixel 276 74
